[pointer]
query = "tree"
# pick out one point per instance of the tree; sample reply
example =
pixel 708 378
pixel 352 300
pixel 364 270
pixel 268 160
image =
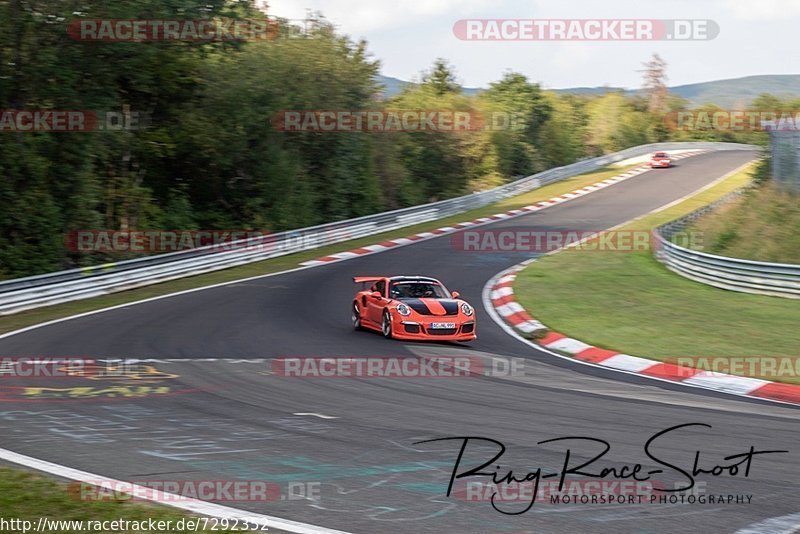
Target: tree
pixel 655 83
pixel 528 109
pixel 562 139
pixel 441 78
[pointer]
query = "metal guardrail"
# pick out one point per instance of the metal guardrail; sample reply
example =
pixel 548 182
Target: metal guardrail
pixel 748 276
pixel 54 288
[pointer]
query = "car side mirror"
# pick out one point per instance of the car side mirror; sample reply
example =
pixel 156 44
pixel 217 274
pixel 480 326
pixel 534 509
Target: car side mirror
pixel 376 294
pixel 456 294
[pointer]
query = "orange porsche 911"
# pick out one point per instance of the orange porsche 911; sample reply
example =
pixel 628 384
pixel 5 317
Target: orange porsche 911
pixel 412 307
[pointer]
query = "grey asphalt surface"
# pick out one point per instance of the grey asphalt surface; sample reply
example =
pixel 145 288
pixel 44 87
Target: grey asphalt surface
pixel 234 419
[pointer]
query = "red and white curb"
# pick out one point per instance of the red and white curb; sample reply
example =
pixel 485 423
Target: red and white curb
pixel 501 298
pixel 386 245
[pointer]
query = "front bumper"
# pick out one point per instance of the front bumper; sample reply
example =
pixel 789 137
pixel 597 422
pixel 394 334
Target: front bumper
pixel 661 164
pixel 420 330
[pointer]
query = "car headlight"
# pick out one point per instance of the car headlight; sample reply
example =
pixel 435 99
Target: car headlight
pixel 466 308
pixel 402 309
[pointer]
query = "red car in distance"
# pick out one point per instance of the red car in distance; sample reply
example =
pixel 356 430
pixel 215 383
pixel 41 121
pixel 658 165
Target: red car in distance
pixel 660 160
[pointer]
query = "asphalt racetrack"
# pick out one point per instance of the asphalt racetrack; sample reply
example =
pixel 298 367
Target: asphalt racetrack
pixel 352 464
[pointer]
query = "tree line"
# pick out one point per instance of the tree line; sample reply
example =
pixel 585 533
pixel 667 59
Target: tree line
pixel 206 153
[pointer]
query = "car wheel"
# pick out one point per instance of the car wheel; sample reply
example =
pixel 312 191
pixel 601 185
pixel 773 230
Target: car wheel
pixel 356 317
pixel 386 325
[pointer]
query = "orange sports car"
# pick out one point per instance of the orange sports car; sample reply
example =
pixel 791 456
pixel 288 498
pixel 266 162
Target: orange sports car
pixel 412 307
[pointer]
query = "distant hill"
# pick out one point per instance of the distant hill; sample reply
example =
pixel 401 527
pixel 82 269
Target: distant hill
pixel 393 86
pixel 591 90
pixel 732 92
pixel 738 91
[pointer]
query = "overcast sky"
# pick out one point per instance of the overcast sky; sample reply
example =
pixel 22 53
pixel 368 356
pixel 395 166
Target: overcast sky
pixel 756 37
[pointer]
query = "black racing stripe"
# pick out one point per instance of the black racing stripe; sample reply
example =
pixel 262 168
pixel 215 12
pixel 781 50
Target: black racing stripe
pixel 450 306
pixel 417 305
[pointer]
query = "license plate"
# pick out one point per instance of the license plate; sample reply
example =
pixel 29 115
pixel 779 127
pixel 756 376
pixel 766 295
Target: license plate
pixel 443 325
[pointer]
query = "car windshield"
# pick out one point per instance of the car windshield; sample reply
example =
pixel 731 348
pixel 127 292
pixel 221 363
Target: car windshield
pixel 660 155
pixel 417 290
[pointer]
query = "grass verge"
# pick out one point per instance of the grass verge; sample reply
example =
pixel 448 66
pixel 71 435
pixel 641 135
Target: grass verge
pixel 28 496
pixel 628 302
pixel 27 318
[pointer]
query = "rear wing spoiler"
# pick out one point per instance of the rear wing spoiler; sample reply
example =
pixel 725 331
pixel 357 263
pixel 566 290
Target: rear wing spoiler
pixel 366 279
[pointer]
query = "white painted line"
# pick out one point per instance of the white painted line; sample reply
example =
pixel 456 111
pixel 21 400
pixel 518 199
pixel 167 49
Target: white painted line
pixel 530 326
pixel 728 383
pixel 175 501
pixel 567 344
pixel 343 255
pixel 507 278
pixel 509 309
pixel 173 360
pixel 785 524
pixel 502 292
pixel 628 363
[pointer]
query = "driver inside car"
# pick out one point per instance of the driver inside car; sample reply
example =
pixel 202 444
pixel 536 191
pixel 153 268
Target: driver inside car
pixel 420 291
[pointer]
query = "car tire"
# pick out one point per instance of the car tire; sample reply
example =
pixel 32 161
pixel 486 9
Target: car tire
pixel 356 317
pixel 386 325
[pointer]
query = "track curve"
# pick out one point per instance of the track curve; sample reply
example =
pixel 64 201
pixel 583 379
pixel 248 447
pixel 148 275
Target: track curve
pixel 233 419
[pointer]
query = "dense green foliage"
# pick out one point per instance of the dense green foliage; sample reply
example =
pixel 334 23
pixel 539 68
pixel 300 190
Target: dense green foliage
pixel 210 156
